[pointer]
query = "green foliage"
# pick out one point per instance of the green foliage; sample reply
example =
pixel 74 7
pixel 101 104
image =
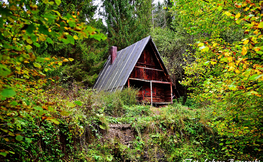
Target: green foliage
pixel 190 102
pixel 113 103
pixel 89 54
pixel 127 21
pixel 42 121
pixel 84 9
pixel 226 71
pixel 131 114
pixel 174 48
pixel 30 120
pixel 175 133
pixel 161 17
pixel 129 96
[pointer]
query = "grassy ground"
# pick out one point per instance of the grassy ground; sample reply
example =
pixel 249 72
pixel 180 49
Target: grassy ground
pixel 171 133
pixel 79 133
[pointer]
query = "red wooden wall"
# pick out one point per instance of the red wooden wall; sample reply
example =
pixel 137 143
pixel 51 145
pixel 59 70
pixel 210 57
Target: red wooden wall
pixel 147 71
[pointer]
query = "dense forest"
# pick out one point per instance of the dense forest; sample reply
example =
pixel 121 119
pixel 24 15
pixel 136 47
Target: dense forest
pixel 52 51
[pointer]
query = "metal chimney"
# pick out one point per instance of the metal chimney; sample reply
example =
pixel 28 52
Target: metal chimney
pixel 113 53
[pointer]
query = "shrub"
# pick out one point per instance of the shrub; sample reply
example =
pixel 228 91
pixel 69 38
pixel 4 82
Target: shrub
pixel 113 102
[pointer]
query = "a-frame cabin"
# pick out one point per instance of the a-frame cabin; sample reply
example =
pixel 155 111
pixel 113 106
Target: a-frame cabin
pixel 138 65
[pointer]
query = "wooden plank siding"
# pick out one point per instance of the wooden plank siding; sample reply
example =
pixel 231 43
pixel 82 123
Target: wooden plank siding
pixel 148 74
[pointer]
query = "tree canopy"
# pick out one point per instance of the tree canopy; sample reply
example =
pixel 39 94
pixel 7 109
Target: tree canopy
pixel 24 25
pixel 227 70
pixel 127 21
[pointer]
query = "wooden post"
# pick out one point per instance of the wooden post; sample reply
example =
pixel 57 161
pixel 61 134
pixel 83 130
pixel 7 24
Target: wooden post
pixel 171 86
pixel 128 83
pixel 151 88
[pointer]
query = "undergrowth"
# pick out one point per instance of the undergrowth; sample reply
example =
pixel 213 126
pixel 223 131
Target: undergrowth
pixel 172 133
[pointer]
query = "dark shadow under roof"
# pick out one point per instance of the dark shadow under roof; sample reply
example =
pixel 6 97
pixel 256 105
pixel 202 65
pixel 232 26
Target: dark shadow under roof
pixel 114 76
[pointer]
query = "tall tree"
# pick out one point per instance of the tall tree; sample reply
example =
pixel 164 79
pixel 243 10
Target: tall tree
pixel 161 16
pixel 127 21
pixel 227 71
pixel 22 30
pixel 88 59
pixel 173 45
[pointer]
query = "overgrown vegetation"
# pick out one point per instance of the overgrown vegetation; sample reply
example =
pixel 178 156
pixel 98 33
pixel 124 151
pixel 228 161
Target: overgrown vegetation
pixel 51 54
pixel 79 117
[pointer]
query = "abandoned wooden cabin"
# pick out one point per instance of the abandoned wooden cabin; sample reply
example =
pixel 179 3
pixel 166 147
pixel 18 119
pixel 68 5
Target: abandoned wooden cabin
pixel 138 65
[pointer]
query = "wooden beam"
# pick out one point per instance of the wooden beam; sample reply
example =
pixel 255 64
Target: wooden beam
pixel 141 67
pixel 153 81
pixel 171 86
pixel 161 103
pixel 151 88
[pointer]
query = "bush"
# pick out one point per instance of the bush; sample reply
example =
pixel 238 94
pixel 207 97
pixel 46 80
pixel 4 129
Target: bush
pixel 128 96
pixel 113 102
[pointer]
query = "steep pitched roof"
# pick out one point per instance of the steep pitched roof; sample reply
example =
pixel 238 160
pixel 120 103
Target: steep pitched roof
pixel 114 76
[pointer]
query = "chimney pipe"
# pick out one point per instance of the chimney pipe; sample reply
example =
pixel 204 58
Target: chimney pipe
pixel 113 53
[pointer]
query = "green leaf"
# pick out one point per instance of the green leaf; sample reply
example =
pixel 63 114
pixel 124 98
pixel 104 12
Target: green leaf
pixel 5 11
pixel 220 8
pixel 71 39
pixel 50 41
pixel 4 71
pixel 37 65
pixel 232 87
pixel 29 41
pixel 259 52
pixel 255 77
pixel 58 2
pixel 66 41
pixel 98 36
pixel 30 28
pixel 260 25
pixel 33 38
pixel 78 103
pixel 36 44
pixel 14 103
pixel 204 48
pixel 19 138
pixel 109 158
pixel 43 30
pixel 206 63
pixel 70 104
pixel 54 121
pixel 51 109
pixel 102 127
pixel 50 17
pixel 8 92
pixel 1 36
pixel 45 1
pixel 38 108
pixel 28 140
pixel 28 47
pixel 1 22
pixel 252 93
pixel 65 113
pixel 3 154
pixel 72 24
